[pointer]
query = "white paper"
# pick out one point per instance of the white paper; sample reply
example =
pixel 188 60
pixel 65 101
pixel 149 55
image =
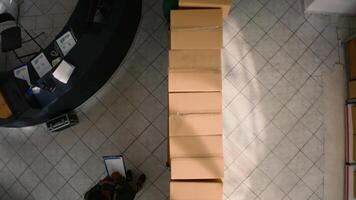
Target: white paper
pixel 41 65
pixel 115 164
pixel 66 42
pixel 22 73
pixel 63 71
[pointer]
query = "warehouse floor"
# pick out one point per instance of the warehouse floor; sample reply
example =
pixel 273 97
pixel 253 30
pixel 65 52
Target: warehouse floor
pixel 273 60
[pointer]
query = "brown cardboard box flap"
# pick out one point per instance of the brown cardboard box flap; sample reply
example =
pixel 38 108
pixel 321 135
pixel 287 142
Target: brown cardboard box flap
pixel 351 52
pixel 203 39
pixel 225 5
pixel 353 115
pixel 354 183
pixel 197 168
pixel 352 89
pixel 196 29
pixel 195 124
pixel 196 146
pixel 194 81
pixel 187 103
pixel 196 19
pixel 195 59
pixel 184 190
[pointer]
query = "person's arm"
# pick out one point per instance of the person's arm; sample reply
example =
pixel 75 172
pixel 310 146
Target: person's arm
pixel 117 178
pixel 107 179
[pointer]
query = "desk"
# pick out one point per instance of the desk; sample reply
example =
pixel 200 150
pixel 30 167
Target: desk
pixel 96 56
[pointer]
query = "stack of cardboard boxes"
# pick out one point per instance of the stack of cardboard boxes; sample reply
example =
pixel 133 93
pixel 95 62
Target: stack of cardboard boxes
pixel 195 101
pixel 351 121
pixel 353 132
pixel 350 186
pixel 351 59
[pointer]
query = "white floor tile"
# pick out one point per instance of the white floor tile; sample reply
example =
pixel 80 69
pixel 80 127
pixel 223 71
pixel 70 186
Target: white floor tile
pixel 280 33
pixel 286 180
pixel 272 192
pixel 271 166
pixel 285 150
pixel 257 182
pixel 300 191
pixel 300 164
pixel 265 19
pixel 243 193
pixel 267 47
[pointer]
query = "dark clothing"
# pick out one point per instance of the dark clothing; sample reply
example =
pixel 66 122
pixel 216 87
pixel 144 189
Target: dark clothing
pixel 118 189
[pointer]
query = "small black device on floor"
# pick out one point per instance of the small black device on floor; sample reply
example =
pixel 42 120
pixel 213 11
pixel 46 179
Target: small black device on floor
pixel 62 122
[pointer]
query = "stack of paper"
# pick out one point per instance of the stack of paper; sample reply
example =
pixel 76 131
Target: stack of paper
pixel 63 71
pixel 41 64
pixel 22 73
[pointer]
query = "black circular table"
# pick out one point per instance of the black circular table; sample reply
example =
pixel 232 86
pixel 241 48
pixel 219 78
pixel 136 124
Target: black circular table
pixel 99 51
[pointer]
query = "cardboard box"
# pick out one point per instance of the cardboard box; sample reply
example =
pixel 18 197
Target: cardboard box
pixel 350 182
pixel 354 174
pixel 194 81
pixel 353 116
pixel 195 103
pixel 354 148
pixel 225 5
pixel 351 52
pixel 352 89
pixel 184 190
pixel 195 59
pixel 196 29
pixel 196 146
pixel 5 111
pixel 197 168
pixel 195 125
pixel 350 134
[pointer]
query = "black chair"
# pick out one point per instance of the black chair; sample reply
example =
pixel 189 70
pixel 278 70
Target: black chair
pixel 11 38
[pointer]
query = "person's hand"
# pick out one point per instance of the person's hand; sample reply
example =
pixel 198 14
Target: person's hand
pixel 116 176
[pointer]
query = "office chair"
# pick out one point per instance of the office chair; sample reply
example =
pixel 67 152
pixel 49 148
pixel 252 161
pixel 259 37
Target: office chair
pixel 11 38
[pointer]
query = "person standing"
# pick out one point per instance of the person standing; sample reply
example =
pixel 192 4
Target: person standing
pixel 116 187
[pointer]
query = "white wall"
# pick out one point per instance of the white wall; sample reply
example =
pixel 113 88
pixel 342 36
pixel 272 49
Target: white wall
pixel 344 7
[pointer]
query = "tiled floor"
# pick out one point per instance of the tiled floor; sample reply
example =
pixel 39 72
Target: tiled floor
pixel 273 60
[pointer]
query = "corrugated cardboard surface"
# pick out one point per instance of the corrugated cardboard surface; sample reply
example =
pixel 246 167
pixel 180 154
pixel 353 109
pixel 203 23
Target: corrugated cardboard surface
pixel 197 168
pixel 186 103
pixel 353 114
pixel 351 51
pixel 184 190
pixel 196 29
pixel 223 4
pixel 354 147
pixel 194 81
pixel 352 89
pixel 195 59
pixel 196 146
pixel 202 18
pixel 197 39
pixel 195 124
pixel 354 188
